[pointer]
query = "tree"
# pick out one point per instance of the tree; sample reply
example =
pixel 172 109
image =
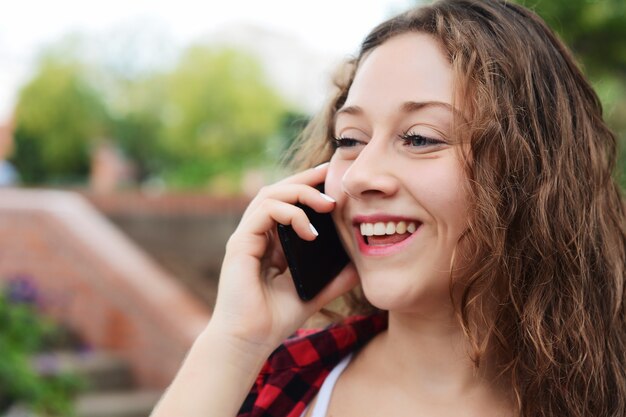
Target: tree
pixel 219 116
pixel 58 117
pixel 137 124
pixel 213 113
pixel 595 30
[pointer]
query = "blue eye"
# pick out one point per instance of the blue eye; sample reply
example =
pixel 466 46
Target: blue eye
pixel 341 142
pixel 416 140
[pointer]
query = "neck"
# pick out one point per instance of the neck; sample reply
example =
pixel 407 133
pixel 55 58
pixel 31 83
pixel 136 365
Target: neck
pixel 431 355
pixel 432 347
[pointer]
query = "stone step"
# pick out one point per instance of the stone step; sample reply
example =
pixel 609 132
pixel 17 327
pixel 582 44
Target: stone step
pixel 101 371
pixel 138 403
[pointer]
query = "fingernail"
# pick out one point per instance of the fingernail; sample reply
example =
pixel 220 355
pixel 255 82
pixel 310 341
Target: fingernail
pixel 322 165
pixel 328 198
pixel 313 230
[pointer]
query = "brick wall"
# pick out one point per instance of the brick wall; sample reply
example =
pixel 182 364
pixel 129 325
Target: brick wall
pixel 185 233
pixel 96 281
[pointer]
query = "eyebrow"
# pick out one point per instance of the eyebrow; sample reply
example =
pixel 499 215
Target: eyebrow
pixel 407 107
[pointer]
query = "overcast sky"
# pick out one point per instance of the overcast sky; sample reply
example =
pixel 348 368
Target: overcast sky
pixel 27 25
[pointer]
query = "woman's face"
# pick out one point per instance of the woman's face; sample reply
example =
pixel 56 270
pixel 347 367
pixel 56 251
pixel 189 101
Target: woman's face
pixel 397 177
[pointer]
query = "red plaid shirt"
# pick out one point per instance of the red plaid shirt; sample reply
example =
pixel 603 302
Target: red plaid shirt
pixel 295 371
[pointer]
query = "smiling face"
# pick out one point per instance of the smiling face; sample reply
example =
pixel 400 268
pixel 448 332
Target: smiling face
pixel 397 177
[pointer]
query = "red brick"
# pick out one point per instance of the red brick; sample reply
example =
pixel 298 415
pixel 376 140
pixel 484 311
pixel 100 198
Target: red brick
pixel 97 282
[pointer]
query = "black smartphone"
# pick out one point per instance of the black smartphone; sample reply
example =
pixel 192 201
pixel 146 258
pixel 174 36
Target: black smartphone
pixel 313 264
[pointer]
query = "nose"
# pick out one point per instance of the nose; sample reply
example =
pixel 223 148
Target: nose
pixel 371 173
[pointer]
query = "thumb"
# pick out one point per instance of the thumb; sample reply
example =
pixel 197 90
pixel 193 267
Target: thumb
pixel 347 279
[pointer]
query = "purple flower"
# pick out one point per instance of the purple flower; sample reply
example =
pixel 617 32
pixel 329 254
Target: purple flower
pixel 46 364
pixel 22 289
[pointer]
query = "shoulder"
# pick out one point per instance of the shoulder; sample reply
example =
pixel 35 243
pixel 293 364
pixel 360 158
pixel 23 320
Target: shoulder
pixel 295 371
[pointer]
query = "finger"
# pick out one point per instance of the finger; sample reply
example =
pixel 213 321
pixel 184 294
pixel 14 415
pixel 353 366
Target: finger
pixel 256 229
pixel 270 212
pixel 294 193
pixel 310 177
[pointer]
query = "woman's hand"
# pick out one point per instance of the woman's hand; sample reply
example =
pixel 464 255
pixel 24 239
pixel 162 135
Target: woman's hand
pixel 257 302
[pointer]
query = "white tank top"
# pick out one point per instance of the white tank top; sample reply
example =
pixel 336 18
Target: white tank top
pixel 326 390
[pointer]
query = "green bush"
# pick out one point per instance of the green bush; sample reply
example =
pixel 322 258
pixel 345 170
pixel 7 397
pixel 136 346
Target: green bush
pixel 24 333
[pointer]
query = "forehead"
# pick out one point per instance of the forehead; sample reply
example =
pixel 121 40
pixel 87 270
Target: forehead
pixel 410 67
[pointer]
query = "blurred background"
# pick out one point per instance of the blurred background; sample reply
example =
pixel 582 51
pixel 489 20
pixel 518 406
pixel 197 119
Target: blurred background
pixel 132 136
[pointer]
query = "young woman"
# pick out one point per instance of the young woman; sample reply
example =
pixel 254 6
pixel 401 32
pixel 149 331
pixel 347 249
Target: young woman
pixel 470 183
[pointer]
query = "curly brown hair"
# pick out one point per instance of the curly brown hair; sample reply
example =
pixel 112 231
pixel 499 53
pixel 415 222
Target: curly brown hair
pixel 544 253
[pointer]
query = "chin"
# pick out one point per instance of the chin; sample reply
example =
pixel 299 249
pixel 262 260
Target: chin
pixel 385 297
pixel 385 294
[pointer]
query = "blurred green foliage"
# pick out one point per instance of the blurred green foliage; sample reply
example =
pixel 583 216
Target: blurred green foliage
pixel 219 115
pixel 212 113
pixel 138 123
pixel 594 29
pixel 596 32
pixel 58 116
pixel 23 333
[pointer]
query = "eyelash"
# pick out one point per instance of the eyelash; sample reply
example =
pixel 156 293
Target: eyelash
pixel 409 139
pixel 341 142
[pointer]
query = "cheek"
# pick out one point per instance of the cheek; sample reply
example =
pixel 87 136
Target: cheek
pixel 458 203
pixel 441 190
pixel 449 202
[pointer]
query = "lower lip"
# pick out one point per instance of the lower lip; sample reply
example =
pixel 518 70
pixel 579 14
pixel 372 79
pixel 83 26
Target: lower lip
pixel 382 250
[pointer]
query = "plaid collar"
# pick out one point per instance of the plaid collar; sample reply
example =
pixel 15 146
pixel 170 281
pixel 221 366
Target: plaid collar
pixel 294 373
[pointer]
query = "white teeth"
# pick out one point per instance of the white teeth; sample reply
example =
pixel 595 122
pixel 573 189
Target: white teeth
pixel 388 228
pixel 380 229
pixel 367 229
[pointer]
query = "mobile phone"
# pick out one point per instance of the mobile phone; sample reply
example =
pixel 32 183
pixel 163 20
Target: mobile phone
pixel 313 264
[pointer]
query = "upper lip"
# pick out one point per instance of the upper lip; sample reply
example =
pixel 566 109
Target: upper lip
pixel 376 218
